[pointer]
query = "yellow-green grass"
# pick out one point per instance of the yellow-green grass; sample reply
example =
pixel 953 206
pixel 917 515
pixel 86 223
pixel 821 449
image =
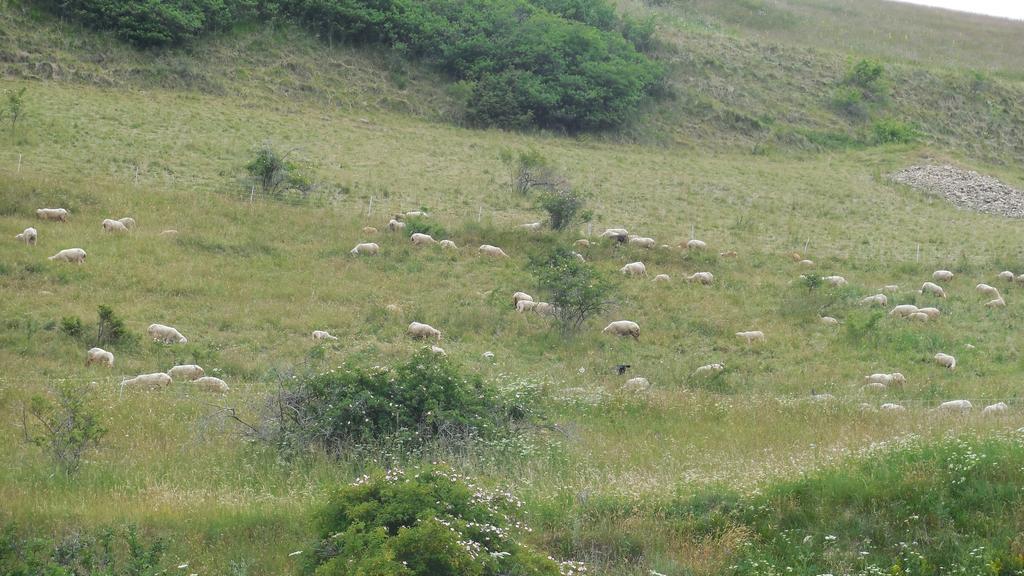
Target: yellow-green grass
pixel 248 282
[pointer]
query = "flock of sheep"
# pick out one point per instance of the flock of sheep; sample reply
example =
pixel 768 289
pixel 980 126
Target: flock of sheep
pixel 523 302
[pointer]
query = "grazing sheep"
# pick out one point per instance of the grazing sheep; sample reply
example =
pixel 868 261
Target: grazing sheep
pixel 708 370
pixel 996 303
pixel 28 236
pixel 421 239
pixel 890 407
pixel 662 278
pixel 751 336
pixel 932 313
pixel 642 242
pixel 439 351
pixel 623 328
pixel 1006 275
pixel 58 214
pixel 834 281
pixel 728 254
pixel 945 360
pixel 525 306
pixel 807 263
pixel 369 230
pixel 617 234
pixel 918 317
pixel 638 384
pixel 323 335
pixel 828 321
pixel 154 380
pixel 894 378
pixel 366 249
pixel 696 245
pixel 634 269
pixel 956 406
pixel 169 233
pixel 211 384
pixel 521 296
pixel 931 288
pixel 165 334
pixel 903 310
pixel 186 372
pixel 942 275
pixel 890 288
pixel 582 243
pixel 418 330
pixel 545 309
pixel 986 290
pixel 994 409
pixel 99 356
pixel 532 226
pixel 395 225
pixel 494 251
pixel 705 278
pixel 71 255
pixel 128 222
pixel 488 355
pixel 879 299
pixel 448 244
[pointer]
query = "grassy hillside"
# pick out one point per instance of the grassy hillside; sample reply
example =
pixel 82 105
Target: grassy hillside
pixel 164 136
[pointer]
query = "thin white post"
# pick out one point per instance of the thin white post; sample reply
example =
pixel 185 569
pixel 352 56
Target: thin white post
pixel 480 214
pixel 19 163
pixel 918 252
pixel 369 209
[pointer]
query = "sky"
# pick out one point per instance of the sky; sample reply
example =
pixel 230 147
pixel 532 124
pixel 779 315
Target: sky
pixel 1004 8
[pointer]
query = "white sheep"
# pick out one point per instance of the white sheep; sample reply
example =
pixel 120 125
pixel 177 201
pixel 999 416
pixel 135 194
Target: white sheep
pixel 996 303
pixel 128 222
pixel 956 406
pixel 211 384
pixel 891 288
pixel 994 409
pixel 1006 275
pixel 893 378
pixel 419 239
pixel 903 310
pixel 532 226
pixel 932 313
pixel 516 297
pixel 393 309
pixel 419 330
pixel 365 249
pixel 634 269
pixel 708 370
pixel 395 225
pixel 696 245
pixel 918 317
pixel 828 321
pixel 932 288
pixel 642 242
pixel 834 281
pixel 154 380
pixel 877 299
pixel 638 384
pixel 71 255
pixel 579 257
pixel 617 234
pixel 945 360
pixel 525 306
pixel 99 356
pixel 582 243
pixel 58 214
pixel 751 336
pixel 942 275
pixel 662 278
pixel 439 351
pixel 986 290
pixel 416 214
pixel 806 263
pixel 545 309
pixel 323 335
pixel 165 334
pixel 890 407
pixel 186 372
pixel 494 251
pixel 623 328
pixel 28 236
pixel 369 230
pixel 705 278
pixel 874 387
pixel 448 244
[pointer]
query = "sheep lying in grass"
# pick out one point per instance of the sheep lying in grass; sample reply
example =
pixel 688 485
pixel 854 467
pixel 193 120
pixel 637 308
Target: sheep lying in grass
pixel 323 335
pixel 918 317
pixel 211 384
pixel 876 300
pixel 165 334
pixel 99 356
pixel 890 288
pixel 57 214
pixel 874 387
pixel 942 275
pixel 114 226
pixel 154 380
pixel 419 330
pixel 705 278
pixel 70 255
pixel 945 360
pixel 186 372
pixel 893 378
pixel 696 245
pixel 806 263
pixel 751 336
pixel 903 310
pixel 369 230
pixel 365 249
pixel 708 370
pixel 932 313
pixel 890 407
pixel 956 406
pixel 828 321
pixel 28 236
pixel 638 384
pixel 662 278
pixel 439 351
pixel 623 328
pixel 493 251
pixel 532 226
pixel 634 269
pixel 932 288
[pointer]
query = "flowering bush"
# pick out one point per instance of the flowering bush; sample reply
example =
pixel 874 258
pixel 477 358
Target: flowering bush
pixel 429 522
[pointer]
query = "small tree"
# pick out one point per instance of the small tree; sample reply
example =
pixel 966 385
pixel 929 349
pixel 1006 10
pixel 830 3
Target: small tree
pixel 575 288
pixel 529 169
pixel 273 172
pixel 563 207
pixel 70 425
pixel 110 329
pixel 14 107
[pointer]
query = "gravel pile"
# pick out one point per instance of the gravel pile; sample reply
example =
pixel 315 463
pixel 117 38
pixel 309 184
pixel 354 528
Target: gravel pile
pixel 965 189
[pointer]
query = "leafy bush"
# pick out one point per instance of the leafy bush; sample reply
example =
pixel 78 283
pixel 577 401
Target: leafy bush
pixel 422 400
pixel 121 552
pixel 575 288
pixel 68 427
pixel 892 131
pixel 14 107
pixel 274 173
pixel 865 74
pixel 563 207
pixel 425 522
pixel 72 326
pixel 850 102
pixel 529 169
pixel 109 329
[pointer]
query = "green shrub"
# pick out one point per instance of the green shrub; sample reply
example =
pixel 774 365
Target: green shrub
pixel 14 107
pixel 67 426
pixel 109 552
pixel 892 131
pixel 529 169
pixel 72 326
pixel 563 207
pixel 424 522
pixel 849 101
pixel 575 288
pixel 274 173
pixel 109 329
pixel 866 74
